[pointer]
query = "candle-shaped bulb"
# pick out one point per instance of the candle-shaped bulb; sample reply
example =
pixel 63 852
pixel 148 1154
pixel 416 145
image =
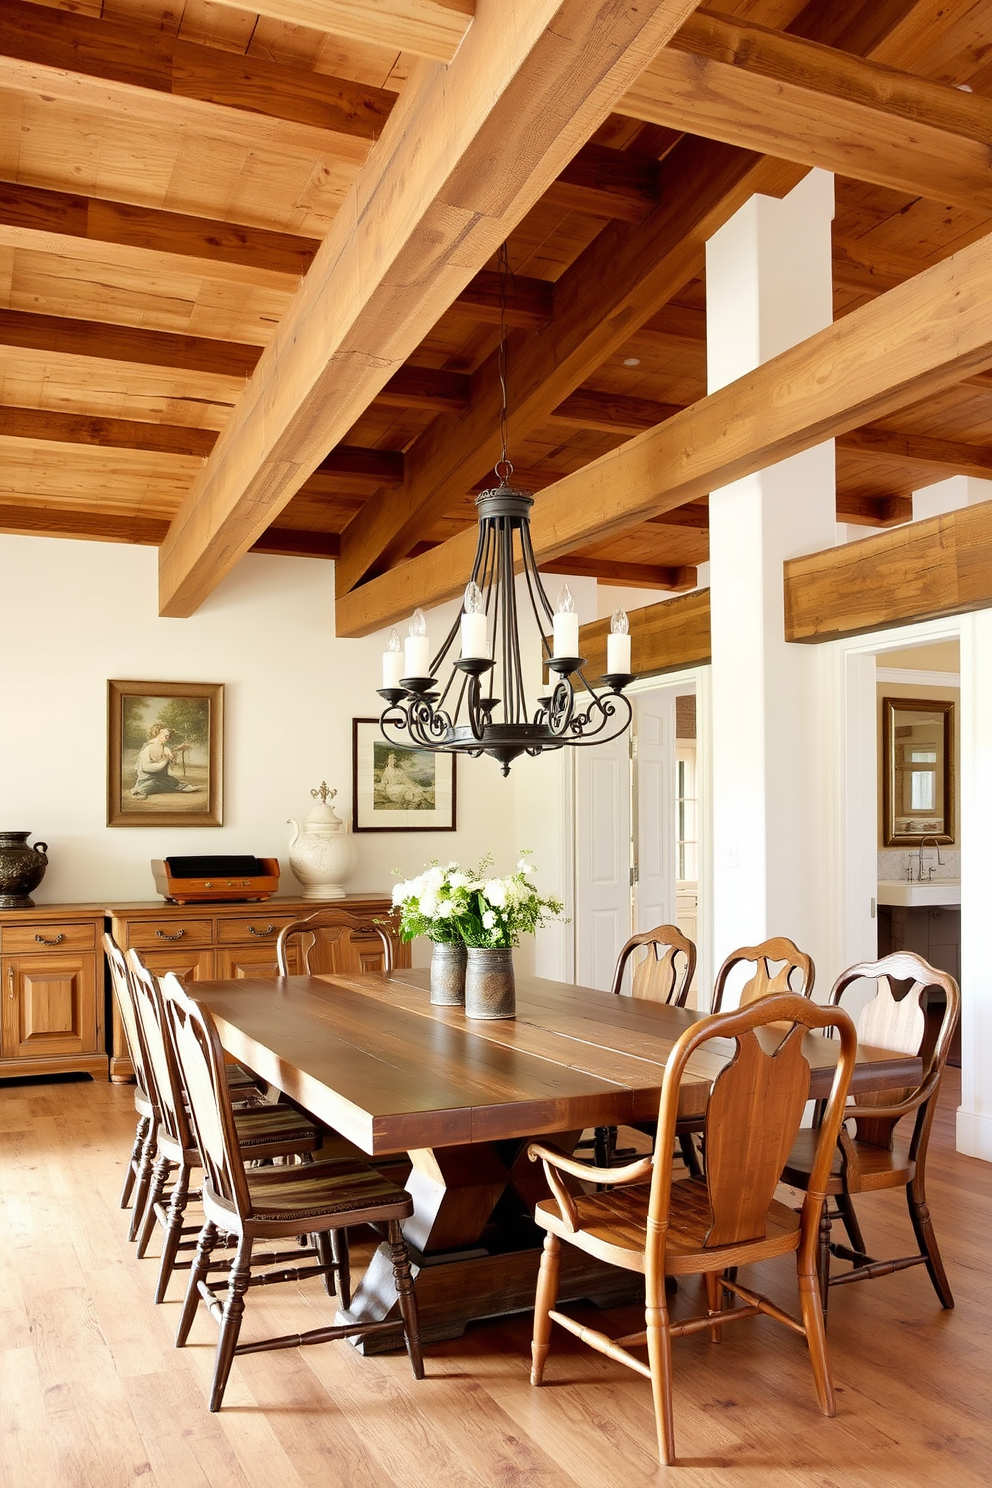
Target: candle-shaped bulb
pixel 393 662
pixel 566 625
pixel 618 644
pixel 417 647
pixel 475 635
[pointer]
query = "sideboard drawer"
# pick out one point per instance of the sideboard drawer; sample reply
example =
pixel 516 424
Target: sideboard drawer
pixel 18 940
pixel 254 929
pixel 145 934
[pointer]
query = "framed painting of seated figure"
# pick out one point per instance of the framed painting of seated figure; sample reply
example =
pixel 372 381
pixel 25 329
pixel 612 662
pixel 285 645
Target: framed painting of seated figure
pixel 165 754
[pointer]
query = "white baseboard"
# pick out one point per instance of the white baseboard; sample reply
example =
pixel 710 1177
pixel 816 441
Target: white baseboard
pixel 974 1134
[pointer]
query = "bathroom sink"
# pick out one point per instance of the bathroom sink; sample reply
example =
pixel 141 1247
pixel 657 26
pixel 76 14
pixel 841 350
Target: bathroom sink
pixel 900 891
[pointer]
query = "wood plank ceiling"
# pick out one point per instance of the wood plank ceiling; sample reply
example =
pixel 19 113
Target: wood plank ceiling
pixel 168 173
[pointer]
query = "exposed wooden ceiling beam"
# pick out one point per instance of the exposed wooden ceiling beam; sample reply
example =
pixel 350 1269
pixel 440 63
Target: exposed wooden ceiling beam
pixel 874 511
pixel 111 433
pixel 612 412
pixel 946 454
pixel 602 182
pixel 623 278
pixel 634 575
pixel 529 302
pixel 426 28
pixel 39 210
pixel 60 521
pixel 465 154
pixel 923 571
pixel 119 343
pixel 664 637
pixel 915 340
pixel 766 90
pixel 149 59
pixel 426 387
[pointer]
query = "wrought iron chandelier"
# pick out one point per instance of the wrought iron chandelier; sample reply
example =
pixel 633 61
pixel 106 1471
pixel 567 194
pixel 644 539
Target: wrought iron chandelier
pixel 482 706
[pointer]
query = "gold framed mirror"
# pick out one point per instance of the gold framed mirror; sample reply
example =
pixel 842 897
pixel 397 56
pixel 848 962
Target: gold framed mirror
pixel 917 771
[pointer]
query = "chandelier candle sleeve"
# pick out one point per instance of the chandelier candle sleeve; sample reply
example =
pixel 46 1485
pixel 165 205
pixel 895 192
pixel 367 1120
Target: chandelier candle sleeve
pixel 565 625
pixel 393 660
pixel 618 644
pixel 475 638
pixel 417 647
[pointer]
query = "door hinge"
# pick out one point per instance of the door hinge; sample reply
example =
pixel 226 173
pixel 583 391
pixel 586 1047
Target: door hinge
pixel 635 874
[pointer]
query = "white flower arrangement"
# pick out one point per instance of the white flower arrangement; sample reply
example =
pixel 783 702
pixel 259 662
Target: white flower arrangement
pixel 449 905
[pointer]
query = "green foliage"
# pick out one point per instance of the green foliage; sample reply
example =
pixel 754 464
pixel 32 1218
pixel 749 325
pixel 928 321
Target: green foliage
pixel 449 905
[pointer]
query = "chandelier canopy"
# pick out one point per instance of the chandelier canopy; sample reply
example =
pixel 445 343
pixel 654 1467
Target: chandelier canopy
pixel 482 706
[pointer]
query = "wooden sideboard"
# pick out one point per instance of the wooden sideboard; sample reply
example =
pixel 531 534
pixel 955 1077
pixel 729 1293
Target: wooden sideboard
pixel 51 965
pixel 200 941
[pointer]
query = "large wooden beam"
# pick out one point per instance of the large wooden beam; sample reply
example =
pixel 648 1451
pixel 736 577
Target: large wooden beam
pixel 633 575
pixel 426 28
pixel 132 56
pixel 116 343
pixel 940 566
pixel 951 455
pixel 744 84
pixel 37 520
pixel 465 154
pixel 874 511
pixel 664 637
pixel 621 280
pixel 602 182
pixel 917 339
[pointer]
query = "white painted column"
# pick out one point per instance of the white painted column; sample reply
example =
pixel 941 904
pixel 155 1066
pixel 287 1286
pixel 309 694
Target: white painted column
pixel 768 283
pixel 948 495
pixel 974 1121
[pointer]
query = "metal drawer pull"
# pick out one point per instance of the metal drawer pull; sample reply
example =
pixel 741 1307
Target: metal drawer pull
pixel 162 935
pixel 269 930
pixel 57 941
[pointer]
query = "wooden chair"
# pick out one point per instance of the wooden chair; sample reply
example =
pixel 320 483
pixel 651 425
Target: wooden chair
pixel 795 972
pixel 327 943
pixel 876 1157
pixel 138 1177
pixel 263 1132
pixel 271 1204
pixel 663 975
pixel 707 1225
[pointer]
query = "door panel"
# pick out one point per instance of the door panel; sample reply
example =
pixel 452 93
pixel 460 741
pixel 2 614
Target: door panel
pixel 50 1007
pixel 250 961
pixel 602 855
pixel 654 831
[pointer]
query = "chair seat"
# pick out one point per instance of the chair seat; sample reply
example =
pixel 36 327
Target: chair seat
pixel 260 1126
pixel 880 1168
pixel 315 1190
pixel 613 1227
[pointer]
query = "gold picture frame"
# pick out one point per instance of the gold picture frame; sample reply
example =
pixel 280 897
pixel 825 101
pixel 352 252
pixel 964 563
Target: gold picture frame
pixel 165 754
pixel 917 771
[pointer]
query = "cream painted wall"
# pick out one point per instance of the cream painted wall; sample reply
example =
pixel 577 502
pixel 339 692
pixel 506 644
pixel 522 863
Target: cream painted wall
pixel 75 614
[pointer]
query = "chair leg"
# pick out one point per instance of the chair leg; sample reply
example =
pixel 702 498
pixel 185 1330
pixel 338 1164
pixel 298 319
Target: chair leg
pixel 342 1255
pixel 230 1323
pixel 406 1297
pixel 604 1145
pixel 714 1303
pixel 198 1270
pixel 141 1131
pixel 919 1213
pixel 144 1178
pixel 160 1173
pixel 845 1208
pixel 322 1242
pixel 547 1296
pixel 823 1258
pixel 660 1360
pixel 816 1338
pixel 690 1157
pixel 173 1231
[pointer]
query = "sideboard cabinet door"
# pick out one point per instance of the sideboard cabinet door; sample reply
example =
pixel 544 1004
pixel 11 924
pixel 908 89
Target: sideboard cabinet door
pixel 51 1007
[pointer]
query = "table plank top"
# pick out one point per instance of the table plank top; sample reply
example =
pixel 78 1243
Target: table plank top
pixel 371 1056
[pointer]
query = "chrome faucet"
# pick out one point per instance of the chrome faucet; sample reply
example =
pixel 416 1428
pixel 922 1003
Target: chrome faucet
pixel 940 861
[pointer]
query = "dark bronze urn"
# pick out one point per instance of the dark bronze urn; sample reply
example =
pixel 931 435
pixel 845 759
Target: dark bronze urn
pixel 21 869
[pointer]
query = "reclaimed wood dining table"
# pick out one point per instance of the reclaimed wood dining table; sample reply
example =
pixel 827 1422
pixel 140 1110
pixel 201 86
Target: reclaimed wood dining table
pixel 372 1057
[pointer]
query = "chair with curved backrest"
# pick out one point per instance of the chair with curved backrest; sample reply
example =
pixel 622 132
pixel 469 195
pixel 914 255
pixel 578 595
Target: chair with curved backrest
pixel 644 1220
pixel 328 942
pixel 877 1157
pixel 794 974
pixel 665 973
pixel 138 1177
pixel 262 1131
pixel 270 1204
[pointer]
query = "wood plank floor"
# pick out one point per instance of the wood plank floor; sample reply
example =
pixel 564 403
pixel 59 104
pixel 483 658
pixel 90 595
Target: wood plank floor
pixel 93 1395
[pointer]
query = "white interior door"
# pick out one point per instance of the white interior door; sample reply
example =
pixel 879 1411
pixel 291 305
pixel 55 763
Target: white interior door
pixel 602 859
pixel 654 790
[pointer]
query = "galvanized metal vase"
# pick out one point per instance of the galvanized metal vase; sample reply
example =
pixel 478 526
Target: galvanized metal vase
pixel 448 974
pixel 490 991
